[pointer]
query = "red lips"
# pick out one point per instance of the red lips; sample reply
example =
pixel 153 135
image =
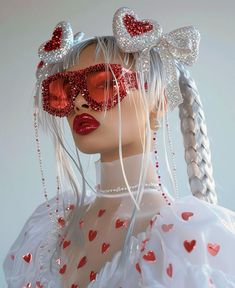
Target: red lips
pixel 85 123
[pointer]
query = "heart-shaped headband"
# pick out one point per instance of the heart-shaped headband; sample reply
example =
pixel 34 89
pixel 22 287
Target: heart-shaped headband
pixel 134 35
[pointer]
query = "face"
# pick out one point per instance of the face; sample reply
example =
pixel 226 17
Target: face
pixel 103 136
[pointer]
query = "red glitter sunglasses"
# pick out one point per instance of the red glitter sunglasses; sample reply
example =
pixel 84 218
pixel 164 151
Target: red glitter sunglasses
pixel 96 84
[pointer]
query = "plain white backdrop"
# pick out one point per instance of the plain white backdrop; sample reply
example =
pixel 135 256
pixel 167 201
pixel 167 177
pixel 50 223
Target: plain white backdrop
pixel 25 25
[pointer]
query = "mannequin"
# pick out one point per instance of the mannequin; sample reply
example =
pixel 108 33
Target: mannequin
pixel 139 235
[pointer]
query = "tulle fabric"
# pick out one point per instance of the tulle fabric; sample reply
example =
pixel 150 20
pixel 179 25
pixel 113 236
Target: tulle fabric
pixel 159 257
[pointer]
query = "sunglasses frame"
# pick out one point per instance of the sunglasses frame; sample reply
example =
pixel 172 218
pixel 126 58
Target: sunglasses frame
pixel 126 79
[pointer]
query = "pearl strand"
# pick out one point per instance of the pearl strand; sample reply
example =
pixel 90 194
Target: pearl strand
pixel 172 158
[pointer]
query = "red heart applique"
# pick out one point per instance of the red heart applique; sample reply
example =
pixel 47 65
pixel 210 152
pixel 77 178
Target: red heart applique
pixel 105 247
pixel 167 227
pixel 92 234
pixel 186 215
pixel 92 275
pixel 119 223
pixel 82 262
pixel 149 256
pixel 101 212
pixel 213 249
pixel 39 285
pixel 66 244
pixel 55 41
pixel 28 257
pixel 74 286
pixel 137 266
pixel 135 27
pixel 169 270
pixel 189 245
pixel 63 269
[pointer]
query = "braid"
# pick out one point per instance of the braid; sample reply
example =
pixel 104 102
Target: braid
pixel 196 142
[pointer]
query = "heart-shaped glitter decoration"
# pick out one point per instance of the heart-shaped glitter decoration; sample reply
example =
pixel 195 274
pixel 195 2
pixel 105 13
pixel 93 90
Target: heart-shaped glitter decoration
pixel 119 223
pixel 57 47
pixel 169 270
pixel 105 247
pixel 27 258
pixel 189 245
pixel 63 269
pixel 66 244
pixel 101 212
pixel 82 262
pixel 213 249
pixel 137 266
pixel 167 227
pixel 149 256
pixel 92 276
pixel 133 34
pixel 187 215
pixel 39 285
pixel 92 234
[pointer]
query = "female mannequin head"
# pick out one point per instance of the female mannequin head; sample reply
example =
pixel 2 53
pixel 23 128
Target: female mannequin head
pixel 133 116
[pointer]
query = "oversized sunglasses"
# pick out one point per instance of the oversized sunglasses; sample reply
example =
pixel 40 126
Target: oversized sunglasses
pixel 98 84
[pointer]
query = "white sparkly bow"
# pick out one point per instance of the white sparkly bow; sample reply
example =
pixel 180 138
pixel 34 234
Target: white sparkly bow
pixel 134 35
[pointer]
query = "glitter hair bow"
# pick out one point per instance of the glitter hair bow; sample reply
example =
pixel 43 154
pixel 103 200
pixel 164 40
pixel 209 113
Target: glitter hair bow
pixel 134 35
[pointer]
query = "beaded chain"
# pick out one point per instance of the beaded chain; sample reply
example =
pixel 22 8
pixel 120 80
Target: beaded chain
pixel 157 167
pixel 56 216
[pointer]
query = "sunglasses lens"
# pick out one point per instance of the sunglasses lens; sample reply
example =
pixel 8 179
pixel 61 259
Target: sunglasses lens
pixel 59 94
pixel 100 85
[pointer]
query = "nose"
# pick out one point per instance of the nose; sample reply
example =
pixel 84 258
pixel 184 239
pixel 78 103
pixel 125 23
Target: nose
pixel 80 103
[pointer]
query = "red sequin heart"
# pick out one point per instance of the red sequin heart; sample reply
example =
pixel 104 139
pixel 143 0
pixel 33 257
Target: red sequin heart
pixel 92 234
pixel 189 245
pixel 66 244
pixel 137 266
pixel 135 27
pixel 149 256
pixel 119 223
pixel 101 212
pixel 166 227
pixel 28 257
pixel 92 276
pixel 105 247
pixel 213 249
pixel 82 262
pixel 186 215
pixel 55 41
pixel 63 269
pixel 38 284
pixel 169 270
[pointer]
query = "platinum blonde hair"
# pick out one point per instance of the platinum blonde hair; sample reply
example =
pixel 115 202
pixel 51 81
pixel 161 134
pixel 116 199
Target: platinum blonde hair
pixel 196 143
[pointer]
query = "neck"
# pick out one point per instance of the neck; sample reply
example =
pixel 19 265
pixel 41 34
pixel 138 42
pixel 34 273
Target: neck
pixel 110 175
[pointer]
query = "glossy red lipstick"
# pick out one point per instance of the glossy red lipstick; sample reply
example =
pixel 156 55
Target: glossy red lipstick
pixel 85 123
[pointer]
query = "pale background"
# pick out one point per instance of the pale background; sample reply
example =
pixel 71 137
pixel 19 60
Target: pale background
pixel 24 25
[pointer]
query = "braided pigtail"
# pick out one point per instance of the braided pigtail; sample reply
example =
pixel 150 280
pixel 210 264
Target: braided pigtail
pixel 196 142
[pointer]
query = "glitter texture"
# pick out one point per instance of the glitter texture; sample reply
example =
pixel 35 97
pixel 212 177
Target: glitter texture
pixel 135 35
